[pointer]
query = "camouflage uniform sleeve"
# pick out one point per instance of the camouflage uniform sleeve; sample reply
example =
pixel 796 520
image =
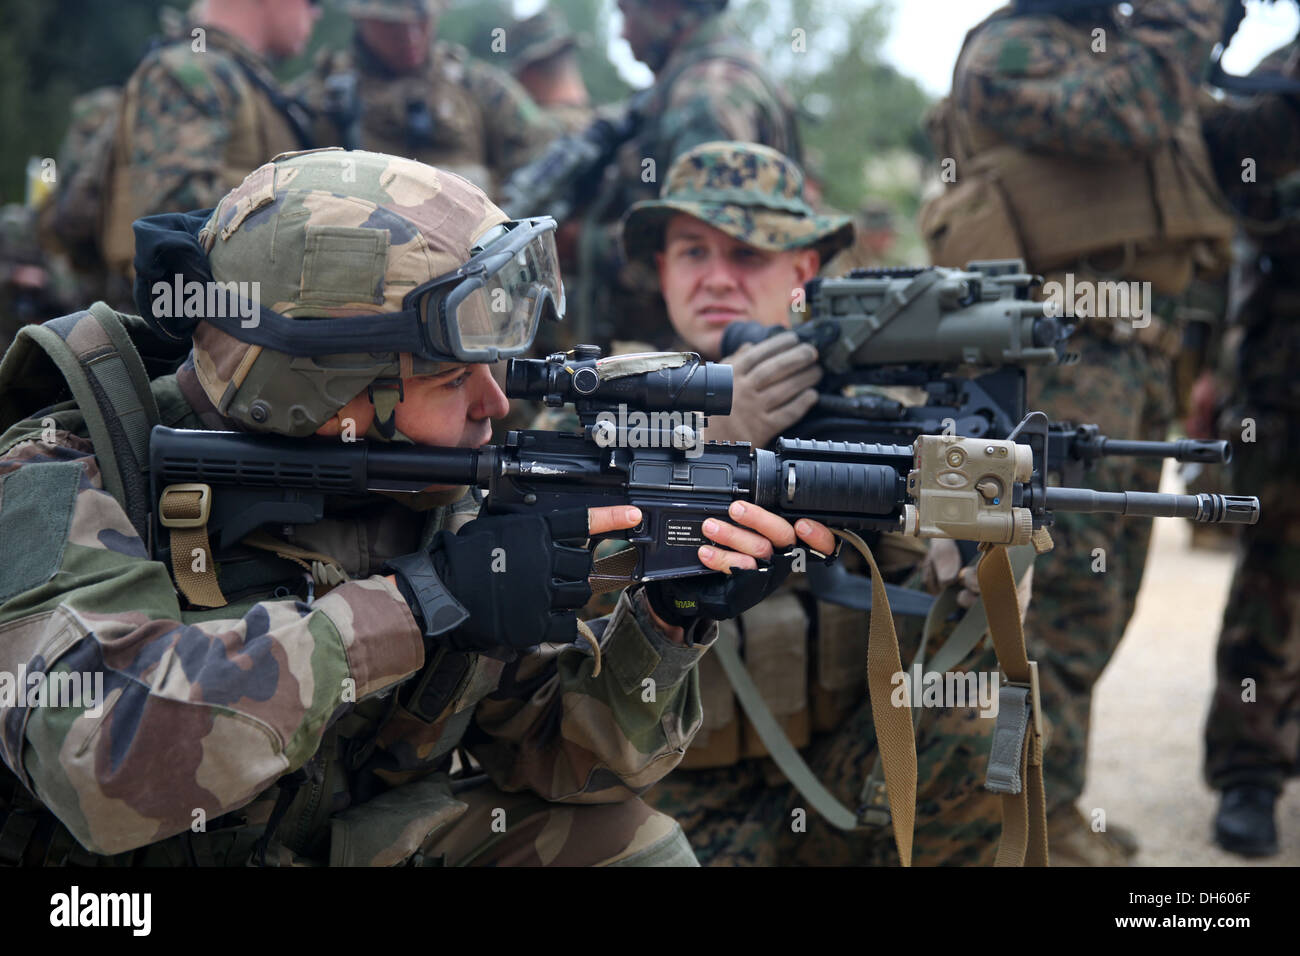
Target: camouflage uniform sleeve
pixel 1022 80
pixel 553 728
pixel 190 711
pixel 181 116
pixel 516 128
pixel 720 100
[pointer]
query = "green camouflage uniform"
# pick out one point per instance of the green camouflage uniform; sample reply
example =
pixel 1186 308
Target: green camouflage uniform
pixel 712 87
pixel 480 122
pixel 194 123
pixel 808 658
pixel 1035 83
pixel 244 711
pixel 1253 737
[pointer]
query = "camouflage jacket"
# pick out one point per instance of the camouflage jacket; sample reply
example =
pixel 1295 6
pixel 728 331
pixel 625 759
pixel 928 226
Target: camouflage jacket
pixel 476 119
pixel 202 712
pixel 713 87
pixel 193 125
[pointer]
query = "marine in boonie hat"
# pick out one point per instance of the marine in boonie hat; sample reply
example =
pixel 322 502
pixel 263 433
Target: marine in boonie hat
pixel 750 192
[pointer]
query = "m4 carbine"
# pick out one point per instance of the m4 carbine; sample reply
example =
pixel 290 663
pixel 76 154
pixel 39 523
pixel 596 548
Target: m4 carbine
pixel 639 445
pixel 964 336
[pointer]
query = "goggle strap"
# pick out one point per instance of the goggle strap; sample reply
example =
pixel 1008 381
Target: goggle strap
pixel 397 331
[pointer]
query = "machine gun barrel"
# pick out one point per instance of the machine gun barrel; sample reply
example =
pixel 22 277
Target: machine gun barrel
pixel 1182 449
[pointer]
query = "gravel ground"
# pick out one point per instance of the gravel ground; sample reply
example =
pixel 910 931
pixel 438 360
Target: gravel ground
pixel 1149 710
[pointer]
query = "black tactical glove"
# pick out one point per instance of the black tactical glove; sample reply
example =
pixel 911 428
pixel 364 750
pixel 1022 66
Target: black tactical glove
pixel 504 582
pixel 718 597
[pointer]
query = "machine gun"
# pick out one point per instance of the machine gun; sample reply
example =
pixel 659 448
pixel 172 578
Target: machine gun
pixel 967 488
pixel 565 177
pixel 966 337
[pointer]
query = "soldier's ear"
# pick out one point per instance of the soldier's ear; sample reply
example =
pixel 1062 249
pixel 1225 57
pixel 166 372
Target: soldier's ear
pixel 807 263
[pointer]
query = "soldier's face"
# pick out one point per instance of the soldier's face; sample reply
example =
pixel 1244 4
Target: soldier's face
pixel 404 47
pixel 710 280
pixel 645 29
pixel 288 25
pixel 454 409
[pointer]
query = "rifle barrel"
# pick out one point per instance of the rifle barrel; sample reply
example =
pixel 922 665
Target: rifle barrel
pixel 1205 508
pixel 1183 449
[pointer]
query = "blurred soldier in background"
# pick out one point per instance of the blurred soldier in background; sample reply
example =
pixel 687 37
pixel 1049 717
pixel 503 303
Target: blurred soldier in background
pixel 709 85
pixel 201 113
pixel 399 90
pixel 875 233
pixel 543 60
pixel 34 286
pixel 1252 734
pixel 1075 143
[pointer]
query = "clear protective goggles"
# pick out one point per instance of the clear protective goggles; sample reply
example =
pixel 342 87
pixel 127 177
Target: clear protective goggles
pixel 489 308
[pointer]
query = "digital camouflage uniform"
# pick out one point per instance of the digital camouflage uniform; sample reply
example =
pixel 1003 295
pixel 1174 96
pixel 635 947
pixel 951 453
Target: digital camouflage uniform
pixel 711 87
pixel 218 710
pixel 1257 741
pixel 193 124
pixel 1099 170
pixel 455 113
pixel 807 657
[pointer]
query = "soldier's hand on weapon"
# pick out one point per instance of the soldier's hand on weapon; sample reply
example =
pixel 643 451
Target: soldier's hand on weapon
pixel 773 387
pixel 506 582
pixel 760 537
pixel 942 566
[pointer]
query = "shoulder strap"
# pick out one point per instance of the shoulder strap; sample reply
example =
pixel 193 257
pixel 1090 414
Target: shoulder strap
pixel 94 358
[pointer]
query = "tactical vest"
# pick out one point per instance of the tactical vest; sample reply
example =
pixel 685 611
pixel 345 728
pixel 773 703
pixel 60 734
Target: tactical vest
pixel 260 127
pixel 450 131
pixel 86 371
pixel 1152 217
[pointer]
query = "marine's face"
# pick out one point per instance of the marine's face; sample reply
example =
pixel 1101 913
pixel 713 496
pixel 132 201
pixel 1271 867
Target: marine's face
pixel 403 46
pixel 710 280
pixel 453 410
pixel 288 26
pixel 644 29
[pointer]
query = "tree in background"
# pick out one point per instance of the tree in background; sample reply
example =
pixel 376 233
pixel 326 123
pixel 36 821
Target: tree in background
pixel 861 119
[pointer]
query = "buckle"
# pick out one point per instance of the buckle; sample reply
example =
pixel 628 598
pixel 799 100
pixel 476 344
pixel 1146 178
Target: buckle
pixel 1036 703
pixel 874 810
pixel 168 502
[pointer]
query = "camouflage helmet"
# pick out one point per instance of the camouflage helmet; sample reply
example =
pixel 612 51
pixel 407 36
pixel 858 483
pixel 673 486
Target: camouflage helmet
pixel 539 37
pixel 752 193
pixel 397 11
pixel 329 233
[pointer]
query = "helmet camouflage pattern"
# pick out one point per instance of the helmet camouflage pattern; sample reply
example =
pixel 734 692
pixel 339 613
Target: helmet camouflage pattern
pixel 752 193
pixel 329 233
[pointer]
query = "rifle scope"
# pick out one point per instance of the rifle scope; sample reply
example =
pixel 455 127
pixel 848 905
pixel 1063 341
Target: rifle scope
pixel 648 381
